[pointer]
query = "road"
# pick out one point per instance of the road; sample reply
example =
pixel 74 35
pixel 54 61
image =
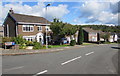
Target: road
pixel 93 59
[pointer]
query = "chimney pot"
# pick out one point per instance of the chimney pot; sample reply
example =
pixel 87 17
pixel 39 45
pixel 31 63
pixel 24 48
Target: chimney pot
pixel 11 11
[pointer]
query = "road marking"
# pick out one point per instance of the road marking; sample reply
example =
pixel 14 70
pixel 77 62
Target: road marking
pixel 71 60
pixel 66 47
pixel 59 49
pixel 14 68
pixel 82 46
pixel 41 72
pixel 89 53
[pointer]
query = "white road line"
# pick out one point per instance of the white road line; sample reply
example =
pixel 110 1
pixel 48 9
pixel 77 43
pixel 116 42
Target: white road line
pixel 14 68
pixel 41 72
pixel 89 53
pixel 66 47
pixel 59 49
pixel 71 60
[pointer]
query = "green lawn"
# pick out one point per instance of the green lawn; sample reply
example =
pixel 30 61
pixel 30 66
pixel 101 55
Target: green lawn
pixel 88 43
pixel 56 46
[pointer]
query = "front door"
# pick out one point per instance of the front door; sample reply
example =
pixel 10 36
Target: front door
pixel 39 37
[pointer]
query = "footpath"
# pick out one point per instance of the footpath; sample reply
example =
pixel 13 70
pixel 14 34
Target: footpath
pixel 8 52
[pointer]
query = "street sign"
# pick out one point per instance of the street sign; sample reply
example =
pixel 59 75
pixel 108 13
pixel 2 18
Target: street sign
pixel 9 43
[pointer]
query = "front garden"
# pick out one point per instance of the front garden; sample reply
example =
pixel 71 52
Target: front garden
pixel 23 44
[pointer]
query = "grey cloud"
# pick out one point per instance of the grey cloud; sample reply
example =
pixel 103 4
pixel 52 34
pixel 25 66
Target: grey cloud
pixel 115 7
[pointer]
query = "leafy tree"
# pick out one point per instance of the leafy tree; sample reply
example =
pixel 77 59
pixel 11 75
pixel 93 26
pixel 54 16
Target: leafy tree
pixel 69 30
pixel 80 36
pixel 61 29
pixel 104 28
pixel 105 36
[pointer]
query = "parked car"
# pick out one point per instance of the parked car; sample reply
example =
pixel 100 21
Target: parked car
pixel 60 41
pixel 64 40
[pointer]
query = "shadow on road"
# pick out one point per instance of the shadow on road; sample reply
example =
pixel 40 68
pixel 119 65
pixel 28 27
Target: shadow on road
pixel 115 47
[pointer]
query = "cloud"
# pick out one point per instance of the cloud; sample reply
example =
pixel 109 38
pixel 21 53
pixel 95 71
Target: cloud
pixel 108 17
pixel 36 10
pixel 92 8
pixel 102 12
pixel 115 7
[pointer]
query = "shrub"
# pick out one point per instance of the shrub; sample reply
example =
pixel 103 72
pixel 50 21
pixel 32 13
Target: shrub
pixel 37 45
pixel 18 40
pixel 119 41
pixel 50 46
pixel 6 39
pixel 22 46
pixel 80 36
pixel 106 42
pixel 29 43
pixel 72 42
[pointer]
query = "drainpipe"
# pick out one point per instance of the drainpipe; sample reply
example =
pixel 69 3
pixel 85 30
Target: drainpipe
pixel 16 29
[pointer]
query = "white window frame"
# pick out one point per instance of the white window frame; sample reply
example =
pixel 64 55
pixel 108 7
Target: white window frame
pixel 31 26
pixel 39 28
pixel 47 27
pixel 29 38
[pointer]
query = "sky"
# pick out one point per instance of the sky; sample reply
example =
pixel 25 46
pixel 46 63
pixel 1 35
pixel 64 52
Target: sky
pixel 73 12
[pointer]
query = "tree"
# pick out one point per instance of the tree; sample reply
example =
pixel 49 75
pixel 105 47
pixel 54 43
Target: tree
pixel 80 36
pixel 60 29
pixel 105 36
pixel 69 30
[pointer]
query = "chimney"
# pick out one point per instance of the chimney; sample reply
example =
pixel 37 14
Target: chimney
pixel 11 11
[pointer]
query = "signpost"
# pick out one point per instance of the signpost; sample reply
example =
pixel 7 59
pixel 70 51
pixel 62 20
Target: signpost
pixel 9 44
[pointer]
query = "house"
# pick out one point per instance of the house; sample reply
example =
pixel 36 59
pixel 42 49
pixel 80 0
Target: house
pixel 72 37
pixel 113 37
pixel 29 27
pixel 91 35
pixel 1 31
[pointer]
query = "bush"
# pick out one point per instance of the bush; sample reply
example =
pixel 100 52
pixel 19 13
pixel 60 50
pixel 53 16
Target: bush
pixel 18 40
pixel 37 45
pixel 119 41
pixel 80 36
pixel 22 46
pixel 6 39
pixel 106 42
pixel 29 43
pixel 50 46
pixel 72 42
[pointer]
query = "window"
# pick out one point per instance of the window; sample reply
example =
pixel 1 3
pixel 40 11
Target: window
pixel 48 28
pixel 29 38
pixel 39 28
pixel 28 28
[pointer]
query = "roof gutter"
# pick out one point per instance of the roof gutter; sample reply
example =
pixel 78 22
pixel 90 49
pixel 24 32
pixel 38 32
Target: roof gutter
pixel 32 23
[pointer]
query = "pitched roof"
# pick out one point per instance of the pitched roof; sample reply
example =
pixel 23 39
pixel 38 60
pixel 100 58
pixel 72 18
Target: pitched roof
pixel 91 30
pixel 28 18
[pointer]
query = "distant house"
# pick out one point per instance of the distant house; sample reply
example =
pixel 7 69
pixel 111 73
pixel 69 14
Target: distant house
pixel 91 35
pixel 113 37
pixel 29 27
pixel 73 37
pixel 1 31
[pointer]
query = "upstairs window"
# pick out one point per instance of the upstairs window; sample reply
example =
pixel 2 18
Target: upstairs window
pixel 39 28
pixel 47 28
pixel 28 28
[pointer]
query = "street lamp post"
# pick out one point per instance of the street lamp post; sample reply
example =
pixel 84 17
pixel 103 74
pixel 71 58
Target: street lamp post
pixel 46 26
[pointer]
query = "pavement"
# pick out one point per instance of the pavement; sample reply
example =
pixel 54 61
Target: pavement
pixel 4 52
pixel 99 59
